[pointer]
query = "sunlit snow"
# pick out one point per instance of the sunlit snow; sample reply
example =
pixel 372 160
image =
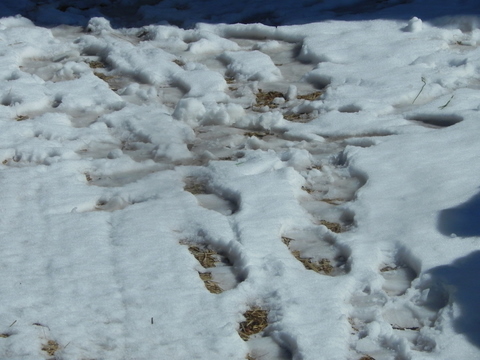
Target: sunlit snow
pixel 171 169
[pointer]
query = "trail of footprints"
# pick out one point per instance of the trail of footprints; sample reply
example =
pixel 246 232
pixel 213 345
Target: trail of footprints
pixel 327 187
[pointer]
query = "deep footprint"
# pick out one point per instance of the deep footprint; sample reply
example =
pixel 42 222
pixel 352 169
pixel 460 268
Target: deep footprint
pixel 217 273
pixel 321 255
pixel 253 331
pixel 209 200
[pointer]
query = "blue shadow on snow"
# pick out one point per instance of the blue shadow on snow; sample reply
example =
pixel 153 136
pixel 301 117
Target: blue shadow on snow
pixel 461 277
pixel 462 220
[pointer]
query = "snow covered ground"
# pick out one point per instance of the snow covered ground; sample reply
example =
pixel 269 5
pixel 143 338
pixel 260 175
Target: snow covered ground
pixel 167 192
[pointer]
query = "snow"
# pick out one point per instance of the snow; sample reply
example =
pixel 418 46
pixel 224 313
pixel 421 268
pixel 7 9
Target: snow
pixel 168 166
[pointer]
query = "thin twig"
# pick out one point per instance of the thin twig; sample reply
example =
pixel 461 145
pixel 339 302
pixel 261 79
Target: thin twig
pixel 424 83
pixel 448 102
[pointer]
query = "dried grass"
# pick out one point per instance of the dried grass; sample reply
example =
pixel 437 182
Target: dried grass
pixel 104 77
pixel 299 118
pixel 256 320
pixel 206 257
pixel 257 134
pixel 323 266
pixel 308 190
pixel 211 285
pixel 51 347
pixel 21 117
pixel 335 201
pixel 312 96
pixel 230 80
pixel 388 268
pixel 96 64
pixel 195 187
pixel 267 98
pixel 4 335
pixel 250 357
pixel 179 62
pixel 353 325
pixel 333 227
pixel 366 357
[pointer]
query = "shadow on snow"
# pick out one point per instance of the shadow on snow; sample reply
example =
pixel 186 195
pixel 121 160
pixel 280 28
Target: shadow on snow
pixel 461 278
pixel 462 220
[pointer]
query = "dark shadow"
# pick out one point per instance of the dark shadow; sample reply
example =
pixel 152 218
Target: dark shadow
pixel 186 13
pixel 462 220
pixel 461 278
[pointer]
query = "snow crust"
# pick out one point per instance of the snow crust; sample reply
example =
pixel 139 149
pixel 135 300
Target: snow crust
pixel 330 167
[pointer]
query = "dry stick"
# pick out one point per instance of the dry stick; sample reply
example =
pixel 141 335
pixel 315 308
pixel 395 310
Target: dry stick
pixel 424 83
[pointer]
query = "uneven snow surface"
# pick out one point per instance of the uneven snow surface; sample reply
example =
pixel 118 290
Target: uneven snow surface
pixel 161 184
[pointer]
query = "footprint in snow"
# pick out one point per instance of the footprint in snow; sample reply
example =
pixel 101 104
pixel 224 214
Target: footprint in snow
pixel 395 321
pixel 209 200
pixel 318 251
pixel 254 330
pixel 217 270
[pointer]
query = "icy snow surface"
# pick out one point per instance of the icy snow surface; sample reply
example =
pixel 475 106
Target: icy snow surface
pixel 159 183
